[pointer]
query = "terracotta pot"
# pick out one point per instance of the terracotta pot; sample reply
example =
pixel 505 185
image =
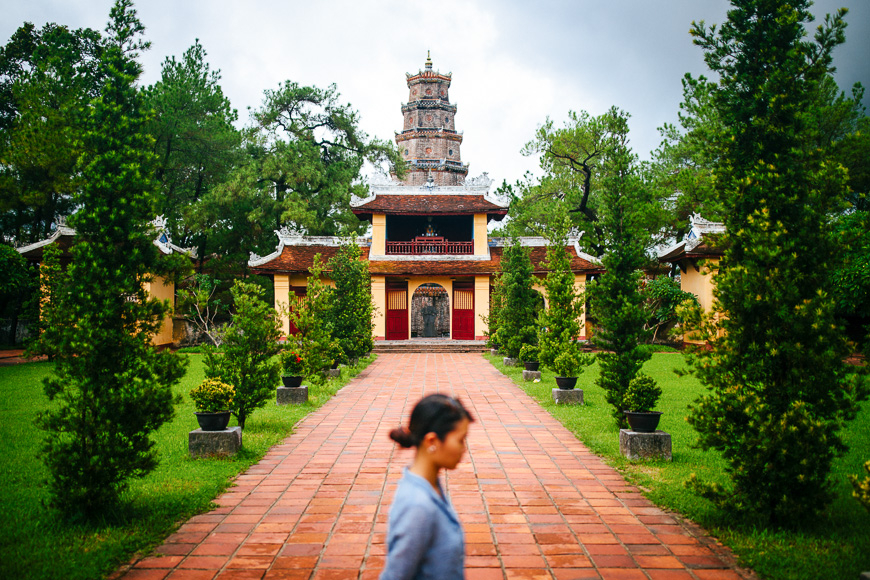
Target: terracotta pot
pixel 213 421
pixel 531 365
pixel 643 422
pixel 291 381
pixel 566 383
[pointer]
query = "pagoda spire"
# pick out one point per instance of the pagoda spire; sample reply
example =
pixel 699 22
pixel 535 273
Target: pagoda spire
pixel 429 142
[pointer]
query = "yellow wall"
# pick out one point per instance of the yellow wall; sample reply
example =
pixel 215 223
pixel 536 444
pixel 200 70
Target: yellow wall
pixel 379 295
pixel 282 284
pixel 379 235
pixel 579 287
pixel 162 290
pixel 700 284
pixel 481 304
pixel 480 238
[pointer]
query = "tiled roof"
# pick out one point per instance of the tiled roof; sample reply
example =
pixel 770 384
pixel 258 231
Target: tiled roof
pixel 428 205
pixel 297 260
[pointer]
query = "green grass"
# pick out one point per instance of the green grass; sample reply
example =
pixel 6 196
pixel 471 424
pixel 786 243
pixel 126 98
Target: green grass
pixel 35 544
pixel 835 546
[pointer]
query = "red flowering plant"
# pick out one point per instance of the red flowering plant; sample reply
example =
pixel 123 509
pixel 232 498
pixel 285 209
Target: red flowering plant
pixel 292 364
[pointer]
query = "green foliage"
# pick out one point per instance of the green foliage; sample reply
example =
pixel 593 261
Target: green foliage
pixel 212 396
pixel 516 322
pixel 850 276
pixel 350 302
pixel 779 390
pixel 662 297
pixel 530 353
pixel 559 322
pixel 47 78
pixel 311 317
pixel 112 388
pixel 195 141
pixel 571 361
pixel 642 394
pixel 861 487
pixel 616 300
pixel 246 358
pixel 18 288
pixel 199 305
pixel 496 306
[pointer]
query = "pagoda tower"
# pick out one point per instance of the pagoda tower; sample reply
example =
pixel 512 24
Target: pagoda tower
pixel 429 143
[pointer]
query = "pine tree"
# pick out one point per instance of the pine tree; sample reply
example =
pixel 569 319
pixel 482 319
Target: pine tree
pixel 112 386
pixel 616 298
pixel 559 322
pixel 351 305
pixel 779 390
pixel 517 323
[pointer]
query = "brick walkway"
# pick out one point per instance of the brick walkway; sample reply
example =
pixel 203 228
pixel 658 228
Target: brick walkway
pixel 534 502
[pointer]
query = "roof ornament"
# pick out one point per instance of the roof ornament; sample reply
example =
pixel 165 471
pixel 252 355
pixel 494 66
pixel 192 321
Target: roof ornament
pixel 428 61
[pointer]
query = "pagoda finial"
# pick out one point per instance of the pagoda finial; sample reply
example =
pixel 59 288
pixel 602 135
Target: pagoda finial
pixel 428 61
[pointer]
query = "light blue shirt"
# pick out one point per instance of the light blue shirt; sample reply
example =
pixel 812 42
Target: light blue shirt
pixel 424 538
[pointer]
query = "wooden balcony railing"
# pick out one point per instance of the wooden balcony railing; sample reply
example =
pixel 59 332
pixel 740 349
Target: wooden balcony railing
pixel 429 245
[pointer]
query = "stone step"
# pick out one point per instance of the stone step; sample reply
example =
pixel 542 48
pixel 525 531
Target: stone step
pixel 432 346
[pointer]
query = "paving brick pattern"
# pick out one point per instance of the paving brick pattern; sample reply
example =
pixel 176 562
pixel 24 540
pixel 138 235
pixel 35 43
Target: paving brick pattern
pixel 534 502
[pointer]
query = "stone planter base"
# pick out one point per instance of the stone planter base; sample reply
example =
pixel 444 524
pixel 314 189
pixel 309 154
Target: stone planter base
pixel 634 445
pixel 493 351
pixel 292 395
pixel 214 443
pixel 531 375
pixel 568 396
pixel 332 373
pixel 509 362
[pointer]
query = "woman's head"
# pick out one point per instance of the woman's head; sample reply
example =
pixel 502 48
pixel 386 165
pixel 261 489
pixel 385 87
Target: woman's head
pixel 438 414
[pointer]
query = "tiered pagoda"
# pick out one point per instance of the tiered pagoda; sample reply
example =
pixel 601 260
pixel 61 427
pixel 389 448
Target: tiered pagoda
pixel 430 256
pixel 429 142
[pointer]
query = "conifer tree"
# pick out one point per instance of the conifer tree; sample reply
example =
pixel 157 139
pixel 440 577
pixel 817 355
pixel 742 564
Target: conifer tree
pixel 311 316
pixel 111 386
pixel 351 303
pixel 246 358
pixel 616 298
pixel 559 322
pixel 779 390
pixel 517 324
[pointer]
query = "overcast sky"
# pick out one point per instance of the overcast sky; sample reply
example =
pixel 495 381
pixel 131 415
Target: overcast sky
pixel 514 62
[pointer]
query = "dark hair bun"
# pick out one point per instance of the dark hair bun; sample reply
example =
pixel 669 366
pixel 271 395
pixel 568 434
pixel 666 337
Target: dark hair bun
pixel 434 413
pixel 402 436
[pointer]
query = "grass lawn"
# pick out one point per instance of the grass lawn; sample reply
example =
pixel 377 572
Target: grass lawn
pixel 34 544
pixel 835 546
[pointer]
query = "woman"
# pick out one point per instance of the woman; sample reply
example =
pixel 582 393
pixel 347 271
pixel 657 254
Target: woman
pixel 424 537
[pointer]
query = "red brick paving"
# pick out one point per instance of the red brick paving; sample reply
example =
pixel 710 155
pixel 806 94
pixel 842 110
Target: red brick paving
pixel 534 501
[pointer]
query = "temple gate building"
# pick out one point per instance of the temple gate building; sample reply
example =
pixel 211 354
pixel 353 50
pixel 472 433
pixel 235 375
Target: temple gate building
pixel 430 256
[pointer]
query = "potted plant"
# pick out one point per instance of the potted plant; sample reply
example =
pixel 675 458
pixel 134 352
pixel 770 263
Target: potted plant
pixel 568 365
pixel 640 398
pixel 529 355
pixel 213 399
pixel 333 354
pixel 293 368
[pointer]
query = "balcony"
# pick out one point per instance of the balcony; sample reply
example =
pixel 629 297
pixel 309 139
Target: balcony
pixel 429 245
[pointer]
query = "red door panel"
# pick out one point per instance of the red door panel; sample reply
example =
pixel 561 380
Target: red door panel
pixel 397 313
pixel 463 311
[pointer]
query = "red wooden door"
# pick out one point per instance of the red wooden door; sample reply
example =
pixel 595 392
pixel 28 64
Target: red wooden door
pixel 463 311
pixel 297 293
pixel 397 312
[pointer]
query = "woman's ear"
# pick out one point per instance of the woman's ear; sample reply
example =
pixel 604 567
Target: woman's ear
pixel 429 439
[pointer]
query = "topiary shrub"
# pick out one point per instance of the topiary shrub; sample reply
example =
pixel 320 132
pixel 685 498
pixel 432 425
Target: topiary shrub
pixel 571 361
pixel 642 394
pixel 529 353
pixel 212 396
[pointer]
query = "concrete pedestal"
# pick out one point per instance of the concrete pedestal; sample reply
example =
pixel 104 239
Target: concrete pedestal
pixel 493 351
pixel 509 362
pixel 214 443
pixel 634 445
pixel 292 395
pixel 567 396
pixel 332 373
pixel 531 375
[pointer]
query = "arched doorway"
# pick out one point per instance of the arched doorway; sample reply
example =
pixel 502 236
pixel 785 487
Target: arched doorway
pixel 430 312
